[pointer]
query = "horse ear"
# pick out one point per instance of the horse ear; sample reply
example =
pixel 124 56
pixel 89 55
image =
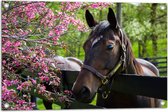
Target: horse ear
pixel 112 19
pixel 90 20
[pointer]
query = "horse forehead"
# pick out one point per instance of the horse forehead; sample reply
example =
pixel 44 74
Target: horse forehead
pixel 98 33
pixel 96 40
pixel 102 32
pixel 101 26
pixel 99 38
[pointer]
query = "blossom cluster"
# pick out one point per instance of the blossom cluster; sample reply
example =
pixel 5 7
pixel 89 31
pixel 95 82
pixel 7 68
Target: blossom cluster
pixel 35 14
pixel 27 66
pixel 11 100
pixel 15 75
pixel 100 5
pixel 71 6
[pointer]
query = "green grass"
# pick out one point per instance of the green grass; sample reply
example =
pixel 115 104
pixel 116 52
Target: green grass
pixel 94 100
pixel 165 104
pixel 41 106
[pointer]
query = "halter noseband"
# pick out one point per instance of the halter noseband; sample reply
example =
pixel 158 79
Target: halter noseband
pixel 106 79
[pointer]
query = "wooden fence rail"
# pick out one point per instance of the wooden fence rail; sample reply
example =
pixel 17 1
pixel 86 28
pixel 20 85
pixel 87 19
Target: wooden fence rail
pixel 160 63
pixel 155 87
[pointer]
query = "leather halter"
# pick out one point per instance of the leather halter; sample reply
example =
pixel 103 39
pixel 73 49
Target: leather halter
pixel 106 79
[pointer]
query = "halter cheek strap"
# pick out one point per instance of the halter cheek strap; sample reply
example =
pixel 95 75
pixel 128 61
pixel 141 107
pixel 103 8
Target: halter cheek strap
pixel 94 71
pixel 105 79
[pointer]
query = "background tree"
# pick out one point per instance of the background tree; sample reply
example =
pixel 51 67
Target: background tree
pixel 142 24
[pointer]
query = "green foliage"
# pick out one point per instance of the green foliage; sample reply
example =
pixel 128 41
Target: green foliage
pixel 162 48
pixel 142 22
pixel 136 22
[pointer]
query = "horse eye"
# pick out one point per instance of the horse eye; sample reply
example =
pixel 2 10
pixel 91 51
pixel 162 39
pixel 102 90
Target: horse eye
pixel 109 47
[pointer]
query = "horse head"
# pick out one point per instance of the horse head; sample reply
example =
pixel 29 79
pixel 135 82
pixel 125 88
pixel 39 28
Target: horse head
pixel 104 55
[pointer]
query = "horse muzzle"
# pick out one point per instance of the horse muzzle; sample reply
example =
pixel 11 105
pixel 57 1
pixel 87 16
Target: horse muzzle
pixel 83 95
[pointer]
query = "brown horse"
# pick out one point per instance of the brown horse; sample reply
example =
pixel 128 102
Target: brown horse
pixel 108 53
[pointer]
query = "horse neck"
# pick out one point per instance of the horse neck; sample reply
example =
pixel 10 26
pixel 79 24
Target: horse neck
pixel 132 66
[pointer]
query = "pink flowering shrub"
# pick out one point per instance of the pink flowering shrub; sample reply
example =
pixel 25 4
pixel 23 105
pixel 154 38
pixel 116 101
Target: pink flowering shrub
pixel 27 29
pixel 10 97
pixel 99 5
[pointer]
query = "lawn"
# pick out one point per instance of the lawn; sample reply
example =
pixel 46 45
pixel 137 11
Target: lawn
pixel 41 106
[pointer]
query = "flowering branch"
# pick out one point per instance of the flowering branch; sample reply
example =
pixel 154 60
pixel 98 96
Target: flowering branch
pixel 26 69
pixel 11 8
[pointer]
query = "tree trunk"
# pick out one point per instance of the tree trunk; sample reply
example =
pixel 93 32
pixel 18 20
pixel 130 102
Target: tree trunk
pixel 144 51
pixel 139 48
pixel 153 35
pixel 119 13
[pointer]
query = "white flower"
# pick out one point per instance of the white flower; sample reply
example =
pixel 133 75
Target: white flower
pixel 6 105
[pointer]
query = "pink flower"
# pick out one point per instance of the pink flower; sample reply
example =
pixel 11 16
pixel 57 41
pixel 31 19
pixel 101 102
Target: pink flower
pixel 33 81
pixel 21 102
pixel 16 44
pixel 94 5
pixel 55 38
pixel 44 78
pixel 68 92
pixel 41 89
pixel 40 73
pixel 51 33
pixel 4 62
pixel 10 82
pixel 19 88
pixel 25 85
pixel 8 43
pixel 3 50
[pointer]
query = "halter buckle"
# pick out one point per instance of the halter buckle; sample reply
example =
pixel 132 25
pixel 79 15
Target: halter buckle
pixel 105 94
pixel 105 81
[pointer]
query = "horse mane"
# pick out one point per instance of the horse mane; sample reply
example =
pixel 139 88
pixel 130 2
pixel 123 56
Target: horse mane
pixel 130 58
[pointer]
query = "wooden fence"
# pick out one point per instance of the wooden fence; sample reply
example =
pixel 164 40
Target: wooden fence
pixel 160 63
pixel 155 87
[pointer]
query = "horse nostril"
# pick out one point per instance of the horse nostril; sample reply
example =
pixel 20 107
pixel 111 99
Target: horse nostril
pixel 85 92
